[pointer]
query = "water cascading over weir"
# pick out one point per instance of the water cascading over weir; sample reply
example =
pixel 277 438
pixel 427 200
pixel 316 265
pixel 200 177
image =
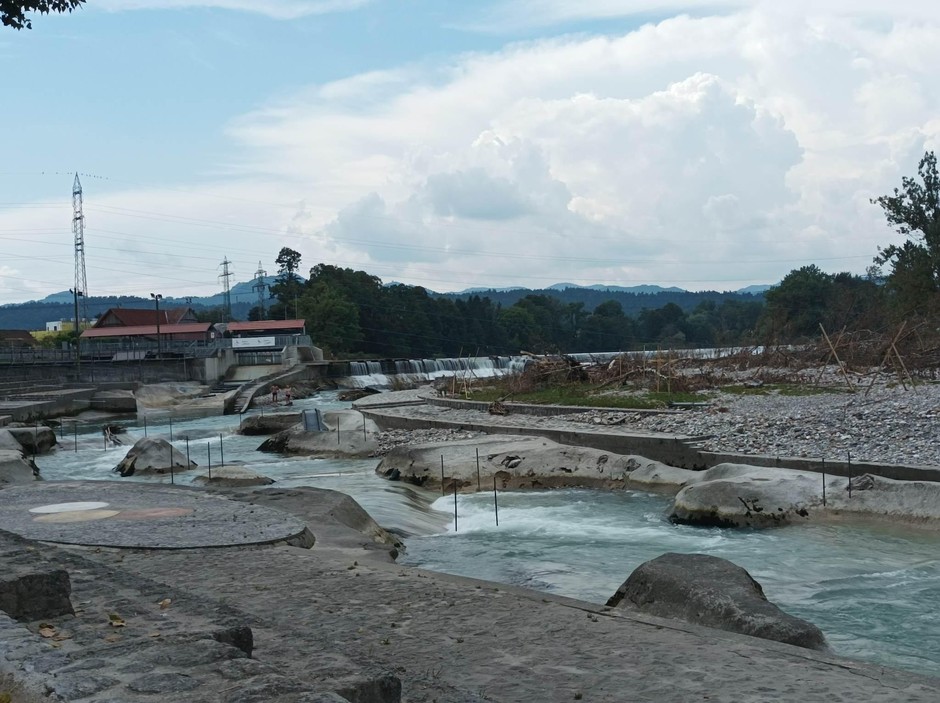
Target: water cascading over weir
pixel 383 373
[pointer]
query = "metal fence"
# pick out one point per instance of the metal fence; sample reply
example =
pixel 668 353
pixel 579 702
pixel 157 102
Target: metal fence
pixel 137 350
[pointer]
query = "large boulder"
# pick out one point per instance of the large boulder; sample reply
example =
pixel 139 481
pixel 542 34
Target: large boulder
pixel 346 433
pixel 739 495
pixel 232 477
pixel 34 440
pixel 8 442
pixel 714 592
pixel 897 500
pixel 268 424
pixel 154 456
pixel 15 469
pixel 515 461
pixel 657 477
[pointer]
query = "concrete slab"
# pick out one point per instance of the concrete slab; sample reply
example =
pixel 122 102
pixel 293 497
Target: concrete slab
pixel 141 516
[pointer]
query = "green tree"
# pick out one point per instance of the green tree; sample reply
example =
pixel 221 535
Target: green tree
pixel 798 304
pixel 663 325
pixel 213 314
pixel 555 322
pixel 287 287
pixel 13 13
pixel 606 329
pixel 914 211
pixel 332 319
pixel 366 293
pixel 522 330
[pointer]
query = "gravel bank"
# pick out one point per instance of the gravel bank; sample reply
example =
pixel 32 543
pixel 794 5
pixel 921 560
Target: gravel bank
pixel 889 425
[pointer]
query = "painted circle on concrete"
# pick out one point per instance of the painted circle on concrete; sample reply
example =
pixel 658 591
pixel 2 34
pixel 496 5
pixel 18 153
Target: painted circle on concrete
pixel 143 516
pixel 152 513
pixel 76 516
pixel 68 507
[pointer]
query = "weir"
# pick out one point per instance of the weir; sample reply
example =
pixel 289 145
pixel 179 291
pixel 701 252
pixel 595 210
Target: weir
pixel 382 373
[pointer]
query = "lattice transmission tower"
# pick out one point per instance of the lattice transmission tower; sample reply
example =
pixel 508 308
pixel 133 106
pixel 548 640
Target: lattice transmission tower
pixel 80 292
pixel 226 290
pixel 260 287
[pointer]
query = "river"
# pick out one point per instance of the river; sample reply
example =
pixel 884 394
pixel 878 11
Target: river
pixel 874 590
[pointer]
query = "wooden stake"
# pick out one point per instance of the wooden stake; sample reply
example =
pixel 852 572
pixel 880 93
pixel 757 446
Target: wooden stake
pixel 838 360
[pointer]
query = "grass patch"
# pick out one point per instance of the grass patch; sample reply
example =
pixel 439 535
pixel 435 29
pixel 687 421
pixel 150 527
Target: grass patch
pixel 588 397
pixel 787 389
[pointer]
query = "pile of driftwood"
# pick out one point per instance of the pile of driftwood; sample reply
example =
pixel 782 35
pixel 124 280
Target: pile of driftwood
pixel 906 354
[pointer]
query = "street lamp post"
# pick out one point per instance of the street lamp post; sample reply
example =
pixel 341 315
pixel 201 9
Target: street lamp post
pixel 156 301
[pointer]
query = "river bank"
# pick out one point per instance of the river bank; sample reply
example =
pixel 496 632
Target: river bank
pixel 341 618
pixel 533 546
pixel 886 424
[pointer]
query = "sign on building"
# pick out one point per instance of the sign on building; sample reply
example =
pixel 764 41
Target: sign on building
pixel 253 342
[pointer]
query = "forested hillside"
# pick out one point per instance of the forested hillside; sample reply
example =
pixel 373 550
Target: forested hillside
pixel 631 303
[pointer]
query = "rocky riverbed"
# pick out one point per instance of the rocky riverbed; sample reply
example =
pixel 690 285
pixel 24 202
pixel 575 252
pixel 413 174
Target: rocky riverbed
pixel 886 424
pixel 390 439
pixel 889 424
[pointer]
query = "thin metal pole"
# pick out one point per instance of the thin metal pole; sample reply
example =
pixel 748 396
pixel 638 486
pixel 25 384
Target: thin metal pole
pixel 478 468
pixel 337 433
pixel 849 454
pixel 221 450
pixel 172 477
pixel 824 481
pixel 443 492
pixel 75 430
pixel 495 501
pixel 171 428
pixel 209 458
pixel 364 439
pixel 188 462
pixel 145 425
pixel 455 504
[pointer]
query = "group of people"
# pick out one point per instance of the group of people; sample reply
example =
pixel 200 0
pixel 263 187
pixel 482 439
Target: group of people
pixel 276 393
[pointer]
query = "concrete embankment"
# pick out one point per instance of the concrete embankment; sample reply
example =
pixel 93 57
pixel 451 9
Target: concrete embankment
pixel 673 449
pixel 340 622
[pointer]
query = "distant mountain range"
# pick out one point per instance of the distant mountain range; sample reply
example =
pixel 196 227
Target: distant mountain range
pixel 640 290
pixel 34 314
pixel 241 293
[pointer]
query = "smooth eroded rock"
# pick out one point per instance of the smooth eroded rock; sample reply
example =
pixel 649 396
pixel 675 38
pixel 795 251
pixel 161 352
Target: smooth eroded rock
pixel 34 440
pixel 345 433
pixel 714 592
pixel 153 455
pixel 739 495
pixel 232 477
pixel 515 461
pixel 268 424
pixel 662 478
pixel 14 468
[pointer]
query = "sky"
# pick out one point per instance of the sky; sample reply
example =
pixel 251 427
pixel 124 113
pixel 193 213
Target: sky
pixel 455 144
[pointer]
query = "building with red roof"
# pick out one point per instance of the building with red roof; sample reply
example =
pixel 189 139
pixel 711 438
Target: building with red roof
pixel 142 324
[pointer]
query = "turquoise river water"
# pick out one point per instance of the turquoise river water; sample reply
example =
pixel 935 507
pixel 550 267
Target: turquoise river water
pixel 872 588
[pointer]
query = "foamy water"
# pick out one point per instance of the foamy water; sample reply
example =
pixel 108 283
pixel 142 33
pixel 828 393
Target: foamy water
pixel 874 591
